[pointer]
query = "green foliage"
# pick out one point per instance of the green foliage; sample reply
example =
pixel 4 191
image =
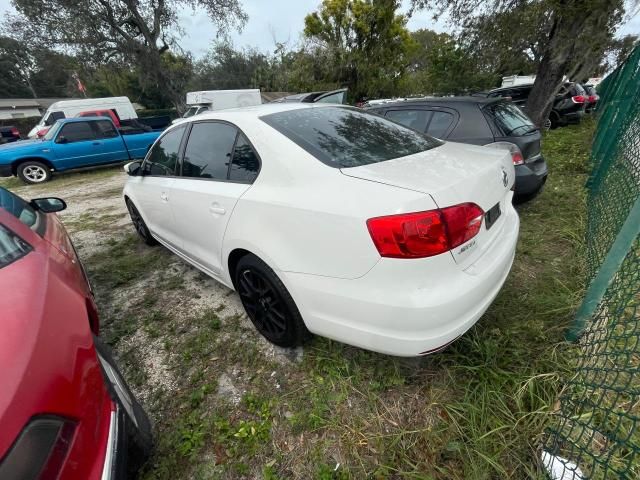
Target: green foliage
pixel 365 45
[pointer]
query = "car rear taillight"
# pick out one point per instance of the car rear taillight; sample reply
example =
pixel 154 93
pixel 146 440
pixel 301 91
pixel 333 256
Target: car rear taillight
pixel 593 98
pixel 578 99
pixel 42 133
pixel 40 450
pixel 425 234
pixel 516 155
pixel 15 132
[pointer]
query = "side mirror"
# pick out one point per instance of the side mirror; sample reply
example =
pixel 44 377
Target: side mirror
pixel 48 205
pixel 61 139
pixel 133 168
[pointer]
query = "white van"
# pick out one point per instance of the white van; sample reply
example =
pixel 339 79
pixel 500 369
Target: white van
pixel 72 108
pixel 209 100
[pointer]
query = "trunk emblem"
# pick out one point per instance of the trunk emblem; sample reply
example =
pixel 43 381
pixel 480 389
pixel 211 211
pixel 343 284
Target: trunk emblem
pixel 505 177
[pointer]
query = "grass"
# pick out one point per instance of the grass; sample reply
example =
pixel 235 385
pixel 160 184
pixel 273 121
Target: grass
pixel 233 409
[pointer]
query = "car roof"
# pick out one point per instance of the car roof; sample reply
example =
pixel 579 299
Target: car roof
pixel 256 110
pixel 440 101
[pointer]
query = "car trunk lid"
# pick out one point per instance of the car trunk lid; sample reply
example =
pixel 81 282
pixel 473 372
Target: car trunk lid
pixel 452 174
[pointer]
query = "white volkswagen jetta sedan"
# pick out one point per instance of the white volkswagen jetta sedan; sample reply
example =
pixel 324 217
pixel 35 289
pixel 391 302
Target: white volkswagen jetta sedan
pixel 334 221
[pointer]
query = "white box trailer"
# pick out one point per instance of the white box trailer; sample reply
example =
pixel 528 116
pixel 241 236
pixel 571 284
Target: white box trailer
pixel 513 80
pixel 72 108
pixel 209 100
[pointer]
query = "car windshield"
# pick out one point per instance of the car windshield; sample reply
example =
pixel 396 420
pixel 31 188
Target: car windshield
pixel 51 133
pixel 345 137
pixel 12 247
pixel 191 111
pixel 18 207
pixel 509 118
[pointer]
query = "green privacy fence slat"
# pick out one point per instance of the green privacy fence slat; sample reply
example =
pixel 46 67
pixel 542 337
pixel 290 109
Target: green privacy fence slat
pixel 596 431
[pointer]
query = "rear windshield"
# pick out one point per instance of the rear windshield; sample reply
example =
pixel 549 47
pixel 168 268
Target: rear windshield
pixel 509 118
pixel 345 137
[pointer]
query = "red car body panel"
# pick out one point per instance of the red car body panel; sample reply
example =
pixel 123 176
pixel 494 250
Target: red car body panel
pixel 48 362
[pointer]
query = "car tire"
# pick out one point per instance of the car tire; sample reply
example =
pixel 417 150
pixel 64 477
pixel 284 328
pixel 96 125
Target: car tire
pixel 554 120
pixel 139 430
pixel 33 172
pixel 268 303
pixel 139 225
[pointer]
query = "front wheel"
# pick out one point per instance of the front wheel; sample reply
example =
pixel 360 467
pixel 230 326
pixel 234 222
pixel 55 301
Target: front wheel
pixel 268 303
pixel 33 172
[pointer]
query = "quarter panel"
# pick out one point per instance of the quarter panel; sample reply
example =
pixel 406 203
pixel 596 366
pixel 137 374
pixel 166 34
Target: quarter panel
pixel 307 216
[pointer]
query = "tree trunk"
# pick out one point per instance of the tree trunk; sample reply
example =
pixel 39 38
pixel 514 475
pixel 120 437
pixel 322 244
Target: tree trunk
pixel 546 86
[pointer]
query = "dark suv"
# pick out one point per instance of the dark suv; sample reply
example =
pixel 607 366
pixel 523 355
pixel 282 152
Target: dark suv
pixel 568 107
pixel 478 121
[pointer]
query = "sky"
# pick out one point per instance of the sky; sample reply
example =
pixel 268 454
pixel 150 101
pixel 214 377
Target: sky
pixel 282 21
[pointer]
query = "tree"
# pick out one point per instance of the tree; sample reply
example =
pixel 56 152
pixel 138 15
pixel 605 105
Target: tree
pixel 140 33
pixel 33 72
pixel 364 42
pixel 574 32
pixel 14 69
pixel 441 65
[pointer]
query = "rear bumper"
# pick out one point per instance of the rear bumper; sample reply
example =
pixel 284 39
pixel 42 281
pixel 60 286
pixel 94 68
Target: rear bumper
pixel 406 307
pixel 6 171
pixel 530 177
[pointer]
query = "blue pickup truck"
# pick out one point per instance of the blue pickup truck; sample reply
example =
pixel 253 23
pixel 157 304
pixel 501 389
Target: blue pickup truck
pixel 72 143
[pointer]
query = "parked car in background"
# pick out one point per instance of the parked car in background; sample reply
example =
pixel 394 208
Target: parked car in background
pixel 8 135
pixel 66 412
pixel 72 143
pixel 333 96
pixel 332 220
pixel 133 125
pixel 71 108
pixel 592 98
pixel 568 107
pixel 492 122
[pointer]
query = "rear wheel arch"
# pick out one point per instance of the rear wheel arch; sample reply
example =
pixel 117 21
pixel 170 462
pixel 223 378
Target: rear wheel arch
pixel 232 262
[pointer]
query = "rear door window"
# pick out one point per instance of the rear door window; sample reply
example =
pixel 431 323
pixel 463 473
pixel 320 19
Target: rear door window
pixel 209 149
pixel 439 124
pixel 77 132
pixel 415 119
pixel 509 119
pixel 12 247
pixel 343 137
pixel 245 165
pixel 163 156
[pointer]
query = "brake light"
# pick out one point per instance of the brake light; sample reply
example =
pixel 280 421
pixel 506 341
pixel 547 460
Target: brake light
pixel 42 133
pixel 15 132
pixel 516 155
pixel 578 99
pixel 593 98
pixel 40 450
pixel 425 234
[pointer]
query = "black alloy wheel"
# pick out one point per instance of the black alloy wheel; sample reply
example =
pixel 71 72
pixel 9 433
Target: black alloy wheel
pixel 268 303
pixel 139 225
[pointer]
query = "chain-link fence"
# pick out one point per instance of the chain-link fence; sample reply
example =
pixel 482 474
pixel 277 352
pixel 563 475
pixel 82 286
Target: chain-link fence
pixel 597 432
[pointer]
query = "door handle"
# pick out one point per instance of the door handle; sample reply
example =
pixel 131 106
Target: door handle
pixel 217 209
pixel 164 197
